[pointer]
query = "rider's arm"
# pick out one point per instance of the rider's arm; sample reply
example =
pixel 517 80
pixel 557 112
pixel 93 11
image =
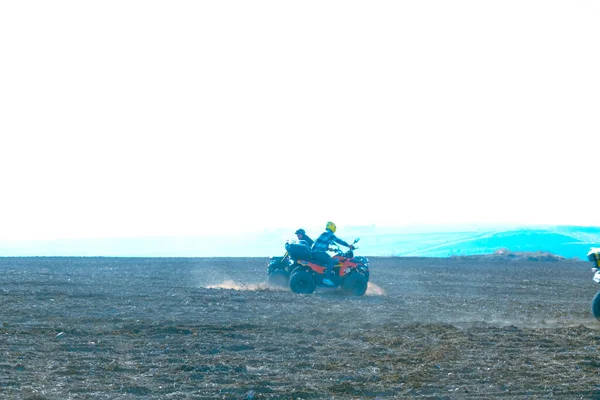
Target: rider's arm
pixel 339 241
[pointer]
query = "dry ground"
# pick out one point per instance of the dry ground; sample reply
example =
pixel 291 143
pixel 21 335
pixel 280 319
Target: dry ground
pixel 209 328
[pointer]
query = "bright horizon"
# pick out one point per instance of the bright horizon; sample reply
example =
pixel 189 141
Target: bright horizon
pixel 146 118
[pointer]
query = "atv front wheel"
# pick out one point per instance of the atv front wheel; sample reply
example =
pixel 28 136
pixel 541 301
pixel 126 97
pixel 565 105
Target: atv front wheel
pixel 302 282
pixel 279 278
pixel 355 284
pixel 596 306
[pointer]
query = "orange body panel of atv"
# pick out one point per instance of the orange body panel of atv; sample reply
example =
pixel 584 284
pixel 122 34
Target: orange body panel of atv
pixel 343 266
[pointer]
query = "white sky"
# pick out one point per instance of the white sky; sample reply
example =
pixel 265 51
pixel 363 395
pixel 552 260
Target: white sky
pixel 121 118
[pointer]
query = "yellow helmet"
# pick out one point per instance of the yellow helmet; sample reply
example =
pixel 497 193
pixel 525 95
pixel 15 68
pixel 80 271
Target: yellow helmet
pixel 331 226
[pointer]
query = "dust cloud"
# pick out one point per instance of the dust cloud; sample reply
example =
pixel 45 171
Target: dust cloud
pixel 232 285
pixel 374 290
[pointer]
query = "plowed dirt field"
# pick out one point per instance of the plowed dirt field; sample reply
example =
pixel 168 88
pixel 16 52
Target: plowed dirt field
pixel 210 328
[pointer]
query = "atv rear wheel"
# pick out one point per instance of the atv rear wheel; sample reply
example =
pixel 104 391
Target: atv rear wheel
pixel 596 306
pixel 303 282
pixel 355 284
pixel 279 278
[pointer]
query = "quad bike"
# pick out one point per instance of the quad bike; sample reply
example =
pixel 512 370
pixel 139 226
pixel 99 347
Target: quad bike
pixel 303 274
pixel 594 256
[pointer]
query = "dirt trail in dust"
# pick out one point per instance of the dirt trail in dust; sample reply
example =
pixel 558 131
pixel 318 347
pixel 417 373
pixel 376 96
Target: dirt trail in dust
pixel 372 289
pixel 230 284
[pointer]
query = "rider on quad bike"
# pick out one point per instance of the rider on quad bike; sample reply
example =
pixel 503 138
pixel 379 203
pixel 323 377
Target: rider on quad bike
pixel 301 235
pixel 320 248
pixel 302 273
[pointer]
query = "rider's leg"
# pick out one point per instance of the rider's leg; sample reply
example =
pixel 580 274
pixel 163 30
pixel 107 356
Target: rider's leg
pixel 328 276
pixel 329 267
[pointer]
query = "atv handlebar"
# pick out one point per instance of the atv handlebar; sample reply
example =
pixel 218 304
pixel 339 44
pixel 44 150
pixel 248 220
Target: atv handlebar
pixel 338 251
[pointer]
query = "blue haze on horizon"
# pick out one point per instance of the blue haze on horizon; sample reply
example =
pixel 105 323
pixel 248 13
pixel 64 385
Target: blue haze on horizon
pixel 565 241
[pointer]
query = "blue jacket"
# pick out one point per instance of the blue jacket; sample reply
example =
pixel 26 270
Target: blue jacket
pixel 324 240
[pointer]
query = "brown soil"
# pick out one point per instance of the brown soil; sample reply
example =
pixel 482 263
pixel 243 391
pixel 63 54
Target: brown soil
pixel 210 328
